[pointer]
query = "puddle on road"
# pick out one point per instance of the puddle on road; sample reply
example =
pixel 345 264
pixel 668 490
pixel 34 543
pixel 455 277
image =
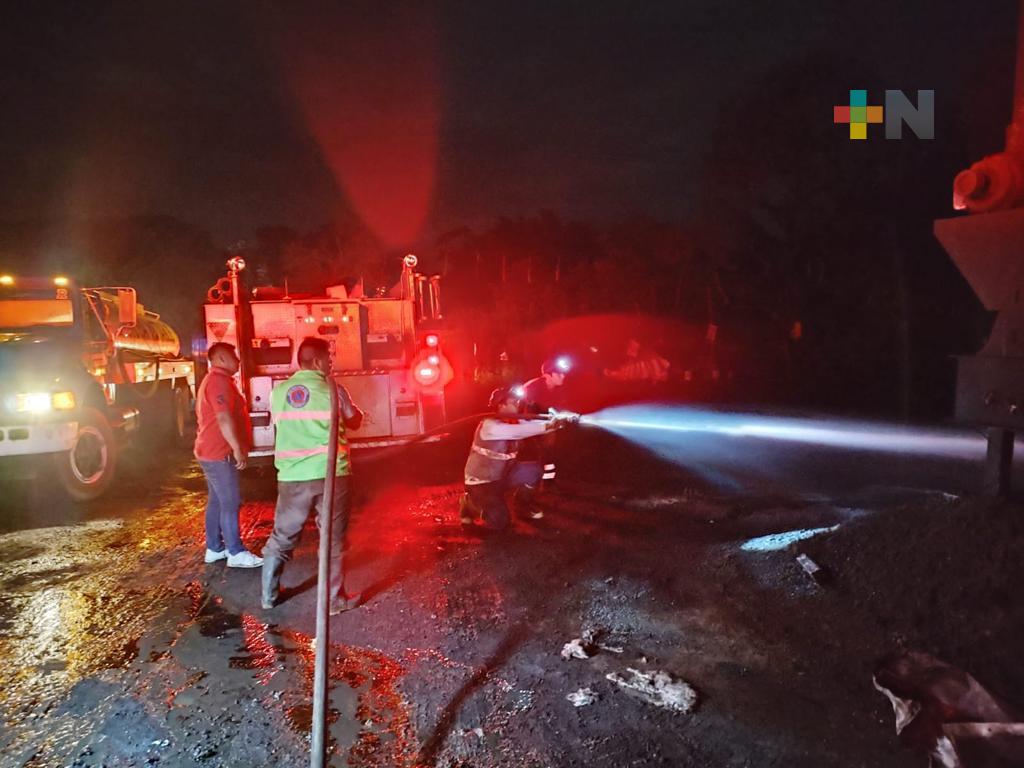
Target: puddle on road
pixel 209 613
pixel 368 718
pixel 300 717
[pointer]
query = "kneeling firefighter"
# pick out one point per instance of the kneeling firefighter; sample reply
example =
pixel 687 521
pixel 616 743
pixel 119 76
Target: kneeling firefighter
pixel 492 468
pixel 301 409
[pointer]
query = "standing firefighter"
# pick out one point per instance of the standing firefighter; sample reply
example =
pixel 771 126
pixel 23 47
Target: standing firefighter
pixel 542 395
pixel 301 409
pixel 492 468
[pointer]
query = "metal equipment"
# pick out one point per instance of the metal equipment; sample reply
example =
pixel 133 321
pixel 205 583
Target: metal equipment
pixel 987 248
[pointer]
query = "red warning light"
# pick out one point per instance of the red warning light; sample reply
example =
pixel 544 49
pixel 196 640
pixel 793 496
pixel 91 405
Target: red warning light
pixel 431 340
pixel 427 374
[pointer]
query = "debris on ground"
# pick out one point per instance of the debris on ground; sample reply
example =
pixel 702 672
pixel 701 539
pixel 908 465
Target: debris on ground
pixel 577 648
pixel 812 569
pixel 658 688
pixel 945 712
pixel 583 697
pixel 960 570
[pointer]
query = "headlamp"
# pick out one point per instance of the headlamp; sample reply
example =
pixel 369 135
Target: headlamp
pixel 44 402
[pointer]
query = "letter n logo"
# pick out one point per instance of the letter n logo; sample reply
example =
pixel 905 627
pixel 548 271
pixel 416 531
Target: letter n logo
pixel 920 119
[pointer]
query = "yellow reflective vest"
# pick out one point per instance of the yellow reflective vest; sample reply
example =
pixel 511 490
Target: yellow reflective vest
pixel 301 409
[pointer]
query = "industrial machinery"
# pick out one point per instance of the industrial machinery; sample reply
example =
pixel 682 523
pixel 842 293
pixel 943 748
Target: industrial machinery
pixel 987 248
pixel 80 370
pixel 386 350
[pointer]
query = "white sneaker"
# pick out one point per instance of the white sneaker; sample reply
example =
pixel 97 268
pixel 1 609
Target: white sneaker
pixel 244 559
pixel 213 557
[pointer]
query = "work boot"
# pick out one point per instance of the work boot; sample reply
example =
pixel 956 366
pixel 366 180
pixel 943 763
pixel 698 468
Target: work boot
pixel 468 513
pixel 342 602
pixel 524 500
pixel 272 567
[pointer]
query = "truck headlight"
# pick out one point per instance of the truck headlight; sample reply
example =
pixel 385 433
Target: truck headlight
pixel 63 401
pixel 43 402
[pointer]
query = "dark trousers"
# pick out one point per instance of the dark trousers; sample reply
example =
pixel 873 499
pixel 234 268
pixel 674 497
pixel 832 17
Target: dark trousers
pixel 489 498
pixel 295 501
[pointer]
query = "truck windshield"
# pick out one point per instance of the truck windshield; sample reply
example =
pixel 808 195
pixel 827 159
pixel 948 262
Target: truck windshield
pixel 31 312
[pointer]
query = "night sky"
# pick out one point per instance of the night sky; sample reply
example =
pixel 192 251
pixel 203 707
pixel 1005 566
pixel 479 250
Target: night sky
pixel 232 116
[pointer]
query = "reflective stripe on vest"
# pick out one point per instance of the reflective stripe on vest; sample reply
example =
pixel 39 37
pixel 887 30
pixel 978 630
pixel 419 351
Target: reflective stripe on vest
pixel 304 415
pixel 489 459
pixel 494 454
pixel 301 409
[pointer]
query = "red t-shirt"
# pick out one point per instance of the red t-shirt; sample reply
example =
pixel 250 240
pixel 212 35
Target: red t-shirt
pixel 218 394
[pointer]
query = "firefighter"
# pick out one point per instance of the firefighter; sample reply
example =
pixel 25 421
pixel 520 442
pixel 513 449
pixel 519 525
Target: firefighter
pixel 492 468
pixel 300 407
pixel 542 395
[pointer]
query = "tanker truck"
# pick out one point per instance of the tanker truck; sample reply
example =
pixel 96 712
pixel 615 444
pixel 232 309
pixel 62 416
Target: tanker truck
pixel 82 371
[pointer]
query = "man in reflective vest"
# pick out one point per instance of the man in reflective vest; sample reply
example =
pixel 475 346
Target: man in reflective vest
pixel 301 409
pixel 492 468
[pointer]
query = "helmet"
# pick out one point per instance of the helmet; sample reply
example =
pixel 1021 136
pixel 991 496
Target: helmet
pixel 560 364
pixel 502 394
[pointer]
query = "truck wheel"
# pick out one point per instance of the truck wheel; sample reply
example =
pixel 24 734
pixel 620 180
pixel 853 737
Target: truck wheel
pixel 184 422
pixel 88 468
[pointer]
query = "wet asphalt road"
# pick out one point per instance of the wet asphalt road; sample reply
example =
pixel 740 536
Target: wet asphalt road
pixel 119 647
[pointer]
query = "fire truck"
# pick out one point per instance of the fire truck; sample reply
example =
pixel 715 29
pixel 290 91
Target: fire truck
pixel 81 370
pixel 385 350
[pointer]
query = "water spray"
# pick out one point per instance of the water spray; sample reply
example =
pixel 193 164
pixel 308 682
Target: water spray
pixel 664 423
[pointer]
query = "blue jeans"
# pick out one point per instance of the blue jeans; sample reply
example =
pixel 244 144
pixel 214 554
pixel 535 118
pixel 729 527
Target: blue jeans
pixel 225 499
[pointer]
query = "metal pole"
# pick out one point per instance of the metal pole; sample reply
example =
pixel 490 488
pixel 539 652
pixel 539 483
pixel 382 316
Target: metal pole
pixel 238 302
pixel 998 475
pixel 317 754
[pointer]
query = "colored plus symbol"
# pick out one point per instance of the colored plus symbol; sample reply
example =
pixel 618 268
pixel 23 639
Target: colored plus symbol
pixel 858 114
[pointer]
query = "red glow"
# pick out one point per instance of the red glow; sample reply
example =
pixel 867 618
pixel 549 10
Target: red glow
pixel 367 85
pixel 431 340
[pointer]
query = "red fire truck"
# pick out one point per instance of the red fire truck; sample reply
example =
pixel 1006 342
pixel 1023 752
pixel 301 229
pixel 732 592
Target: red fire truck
pixel 81 369
pixel 386 350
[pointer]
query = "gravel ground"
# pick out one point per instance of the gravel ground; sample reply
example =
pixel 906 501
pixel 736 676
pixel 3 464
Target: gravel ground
pixel 120 648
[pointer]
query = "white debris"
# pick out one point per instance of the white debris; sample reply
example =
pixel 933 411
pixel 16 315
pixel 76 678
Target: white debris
pixel 658 688
pixel 612 648
pixel 577 649
pixel 583 697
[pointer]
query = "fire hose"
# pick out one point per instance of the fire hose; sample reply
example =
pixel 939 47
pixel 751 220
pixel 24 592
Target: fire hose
pixel 445 429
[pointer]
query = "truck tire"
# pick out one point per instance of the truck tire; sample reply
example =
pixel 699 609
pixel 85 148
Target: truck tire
pixel 87 470
pixel 184 429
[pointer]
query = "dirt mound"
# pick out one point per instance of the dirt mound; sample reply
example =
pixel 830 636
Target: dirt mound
pixel 942 577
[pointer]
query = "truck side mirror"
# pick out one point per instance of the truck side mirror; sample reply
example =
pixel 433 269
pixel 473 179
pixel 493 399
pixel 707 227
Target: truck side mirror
pixel 126 306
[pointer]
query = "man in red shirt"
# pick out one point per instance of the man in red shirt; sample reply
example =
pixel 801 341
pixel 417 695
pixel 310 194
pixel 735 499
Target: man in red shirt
pixel 221 449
